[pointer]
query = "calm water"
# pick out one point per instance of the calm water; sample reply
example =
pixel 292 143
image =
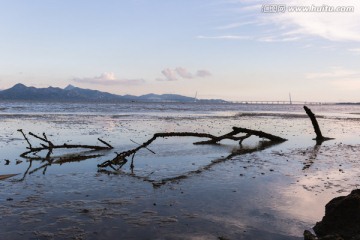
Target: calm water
pixel 77 108
pixel 275 193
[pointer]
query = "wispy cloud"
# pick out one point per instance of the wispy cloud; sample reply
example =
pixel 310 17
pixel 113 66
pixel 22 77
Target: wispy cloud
pixel 339 77
pixel 236 25
pixel 355 50
pixel 340 26
pixel 226 37
pixel 278 39
pixel 108 78
pixel 292 26
pixel 335 72
pixel 203 73
pixel 182 73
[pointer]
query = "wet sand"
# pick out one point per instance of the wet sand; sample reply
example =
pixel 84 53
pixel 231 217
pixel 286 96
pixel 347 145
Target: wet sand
pixel 275 193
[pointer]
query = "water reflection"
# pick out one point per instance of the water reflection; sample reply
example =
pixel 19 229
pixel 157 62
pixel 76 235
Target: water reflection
pixel 256 195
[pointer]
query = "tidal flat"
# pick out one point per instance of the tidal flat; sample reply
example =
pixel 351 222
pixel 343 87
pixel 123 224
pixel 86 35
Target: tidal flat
pixel 273 193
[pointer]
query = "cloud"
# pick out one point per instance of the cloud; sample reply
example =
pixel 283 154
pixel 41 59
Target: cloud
pixel 355 50
pixel 236 25
pixel 170 75
pixel 226 37
pixel 334 26
pixel 203 73
pixel 108 78
pixel 335 72
pixel 277 39
pixel 348 85
pixel 182 73
pixel 341 78
pixel 294 25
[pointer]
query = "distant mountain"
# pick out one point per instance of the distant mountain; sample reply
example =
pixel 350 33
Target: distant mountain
pixel 20 92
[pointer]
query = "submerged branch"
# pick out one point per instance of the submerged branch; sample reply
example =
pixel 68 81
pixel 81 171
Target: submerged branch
pixel 120 158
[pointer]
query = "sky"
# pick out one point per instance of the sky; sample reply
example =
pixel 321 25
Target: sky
pixel 230 49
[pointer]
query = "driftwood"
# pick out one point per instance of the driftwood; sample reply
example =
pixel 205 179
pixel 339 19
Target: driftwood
pixel 50 146
pixel 47 145
pixel 5 176
pixel 121 160
pixel 319 137
pixel 158 183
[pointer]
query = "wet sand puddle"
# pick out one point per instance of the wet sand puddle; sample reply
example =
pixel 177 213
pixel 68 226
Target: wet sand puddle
pixel 275 193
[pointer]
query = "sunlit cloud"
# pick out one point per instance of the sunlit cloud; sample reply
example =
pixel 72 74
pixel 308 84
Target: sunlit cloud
pixel 182 73
pixel 169 74
pixel 108 78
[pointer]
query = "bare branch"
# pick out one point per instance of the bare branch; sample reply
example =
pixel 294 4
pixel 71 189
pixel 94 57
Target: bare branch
pixel 44 139
pixel 27 140
pixel 319 137
pixel 51 146
pixel 120 158
pixel 107 144
pixel 145 147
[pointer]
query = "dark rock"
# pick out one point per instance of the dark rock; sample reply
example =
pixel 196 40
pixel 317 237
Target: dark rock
pixel 342 217
pixel 309 236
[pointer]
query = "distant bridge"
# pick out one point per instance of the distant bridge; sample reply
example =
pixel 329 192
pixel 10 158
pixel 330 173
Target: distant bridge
pixel 281 102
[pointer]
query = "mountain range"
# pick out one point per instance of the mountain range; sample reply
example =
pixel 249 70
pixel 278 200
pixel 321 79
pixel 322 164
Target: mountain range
pixel 20 92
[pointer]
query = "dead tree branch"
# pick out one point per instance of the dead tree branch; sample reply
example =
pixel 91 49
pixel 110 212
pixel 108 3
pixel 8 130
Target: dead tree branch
pixel 50 147
pixel 27 140
pixel 42 139
pixel 249 132
pixel 319 137
pixel 121 160
pixel 157 183
pixel 107 144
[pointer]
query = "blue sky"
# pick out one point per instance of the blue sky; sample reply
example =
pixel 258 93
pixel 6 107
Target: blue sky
pixel 225 49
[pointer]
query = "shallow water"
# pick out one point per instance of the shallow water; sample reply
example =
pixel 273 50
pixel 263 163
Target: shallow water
pixel 275 193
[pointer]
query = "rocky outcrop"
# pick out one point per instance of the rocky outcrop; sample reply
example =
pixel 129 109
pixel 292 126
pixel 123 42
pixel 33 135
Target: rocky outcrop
pixel 341 220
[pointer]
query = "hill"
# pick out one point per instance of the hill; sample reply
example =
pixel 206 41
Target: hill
pixel 20 92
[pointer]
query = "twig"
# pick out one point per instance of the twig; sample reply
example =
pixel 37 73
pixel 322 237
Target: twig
pixel 145 147
pixel 27 140
pixel 42 139
pixel 107 144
